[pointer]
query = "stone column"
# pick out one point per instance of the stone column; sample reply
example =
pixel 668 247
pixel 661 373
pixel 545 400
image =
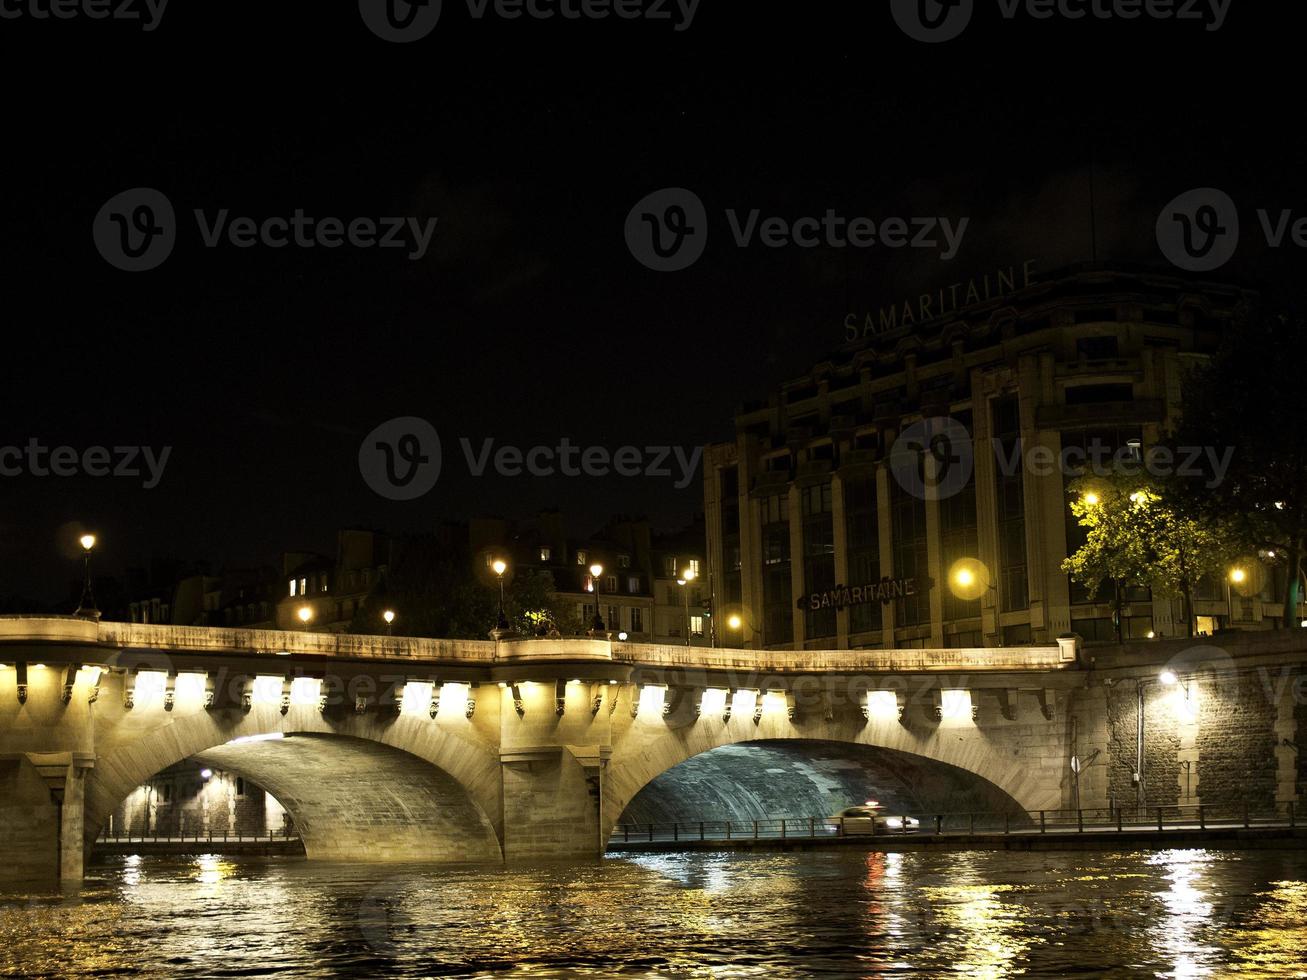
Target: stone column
pixel 884 526
pixel 839 528
pixel 986 505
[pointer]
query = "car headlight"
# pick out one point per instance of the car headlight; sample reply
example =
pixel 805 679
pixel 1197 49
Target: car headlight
pixel 895 823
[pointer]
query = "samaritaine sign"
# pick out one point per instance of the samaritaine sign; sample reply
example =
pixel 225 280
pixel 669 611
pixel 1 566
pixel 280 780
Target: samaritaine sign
pixel 885 591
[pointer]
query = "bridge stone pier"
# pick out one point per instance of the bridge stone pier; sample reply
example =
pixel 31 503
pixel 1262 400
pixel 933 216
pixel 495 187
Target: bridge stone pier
pixel 395 749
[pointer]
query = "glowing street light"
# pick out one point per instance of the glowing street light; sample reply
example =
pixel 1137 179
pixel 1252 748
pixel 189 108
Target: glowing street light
pixel 596 570
pixel 499 567
pixel 685 579
pixel 389 617
pixel 305 613
pixel 86 607
pixel 968 579
pixel 1090 499
pixel 1238 576
pixel 1168 677
pixel 734 621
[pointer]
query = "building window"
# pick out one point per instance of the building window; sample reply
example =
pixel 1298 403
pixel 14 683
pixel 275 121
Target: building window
pixel 304 586
pixel 696 626
pixel 623 561
pixel 294 588
pixel 610 583
pixel 546 554
pixel 323 583
pixel 694 566
pixel 633 583
pixel 614 617
pixel 637 620
pixel 777 589
pixel 908 534
pixel 861 515
pixel 240 785
pixel 818 558
pixel 580 557
pixel 669 567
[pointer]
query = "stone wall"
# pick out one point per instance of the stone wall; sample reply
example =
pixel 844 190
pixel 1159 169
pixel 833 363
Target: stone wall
pixel 1236 741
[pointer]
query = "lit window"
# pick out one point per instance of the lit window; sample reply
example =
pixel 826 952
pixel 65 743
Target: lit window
pixel 294 587
pixel 633 583
pixel 694 566
pixel 696 625
pixel 546 554
pixel 580 557
pixel 304 586
pixel 324 583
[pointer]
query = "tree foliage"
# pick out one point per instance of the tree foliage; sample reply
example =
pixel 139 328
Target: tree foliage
pixel 1248 400
pixel 1136 536
pixel 438 591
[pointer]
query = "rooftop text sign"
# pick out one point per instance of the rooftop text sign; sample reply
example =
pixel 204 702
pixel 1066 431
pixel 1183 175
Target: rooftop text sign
pixel 885 591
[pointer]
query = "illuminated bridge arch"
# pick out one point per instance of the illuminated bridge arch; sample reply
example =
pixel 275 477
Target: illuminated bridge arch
pixel 714 765
pixel 356 789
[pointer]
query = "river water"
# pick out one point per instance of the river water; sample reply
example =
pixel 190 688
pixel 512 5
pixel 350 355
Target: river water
pixel 836 913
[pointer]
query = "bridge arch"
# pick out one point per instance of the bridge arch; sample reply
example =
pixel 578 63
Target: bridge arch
pixel 961 766
pixel 357 788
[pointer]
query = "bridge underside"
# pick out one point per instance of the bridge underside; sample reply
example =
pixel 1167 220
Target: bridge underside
pixel 796 779
pixel 353 800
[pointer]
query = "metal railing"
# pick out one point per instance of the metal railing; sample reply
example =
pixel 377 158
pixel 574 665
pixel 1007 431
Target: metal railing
pixel 208 837
pixel 1149 818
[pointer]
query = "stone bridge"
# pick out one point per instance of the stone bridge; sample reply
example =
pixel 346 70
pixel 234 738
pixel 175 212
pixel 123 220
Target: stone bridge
pixel 398 749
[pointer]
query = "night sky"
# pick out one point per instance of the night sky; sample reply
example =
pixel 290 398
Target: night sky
pixel 529 320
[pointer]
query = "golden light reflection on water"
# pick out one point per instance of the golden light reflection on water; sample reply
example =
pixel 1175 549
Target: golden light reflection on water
pixel 1180 935
pixel 212 869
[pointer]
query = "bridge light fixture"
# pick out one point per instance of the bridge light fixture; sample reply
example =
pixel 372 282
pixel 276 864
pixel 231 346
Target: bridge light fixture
pixel 206 773
pixel 622 636
pixel 388 616
pixel 1168 677
pixel 38 666
pixel 305 613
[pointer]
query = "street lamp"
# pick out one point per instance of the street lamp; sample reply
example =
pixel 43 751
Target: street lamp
pixel 499 566
pixel 684 581
pixel 86 607
pixel 389 617
pixel 595 571
pixel 305 613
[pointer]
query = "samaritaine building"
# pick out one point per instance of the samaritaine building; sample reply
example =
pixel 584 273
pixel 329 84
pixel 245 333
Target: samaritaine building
pixel 820 537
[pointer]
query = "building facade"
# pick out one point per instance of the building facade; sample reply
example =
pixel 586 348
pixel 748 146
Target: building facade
pixel 837 514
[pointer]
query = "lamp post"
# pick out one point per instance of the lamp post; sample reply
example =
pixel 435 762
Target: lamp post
pixel 596 570
pixel 500 566
pixel 305 613
pixel 86 607
pixel 1167 678
pixel 684 581
pixel 389 617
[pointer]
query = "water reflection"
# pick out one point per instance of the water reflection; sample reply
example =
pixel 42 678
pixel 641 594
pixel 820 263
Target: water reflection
pixel 832 913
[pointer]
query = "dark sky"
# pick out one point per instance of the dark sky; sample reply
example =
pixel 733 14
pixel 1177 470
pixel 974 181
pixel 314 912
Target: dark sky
pixel 529 319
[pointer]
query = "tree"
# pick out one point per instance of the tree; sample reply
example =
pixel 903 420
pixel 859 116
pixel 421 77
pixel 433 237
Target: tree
pixel 436 591
pixel 1245 406
pixel 1137 536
